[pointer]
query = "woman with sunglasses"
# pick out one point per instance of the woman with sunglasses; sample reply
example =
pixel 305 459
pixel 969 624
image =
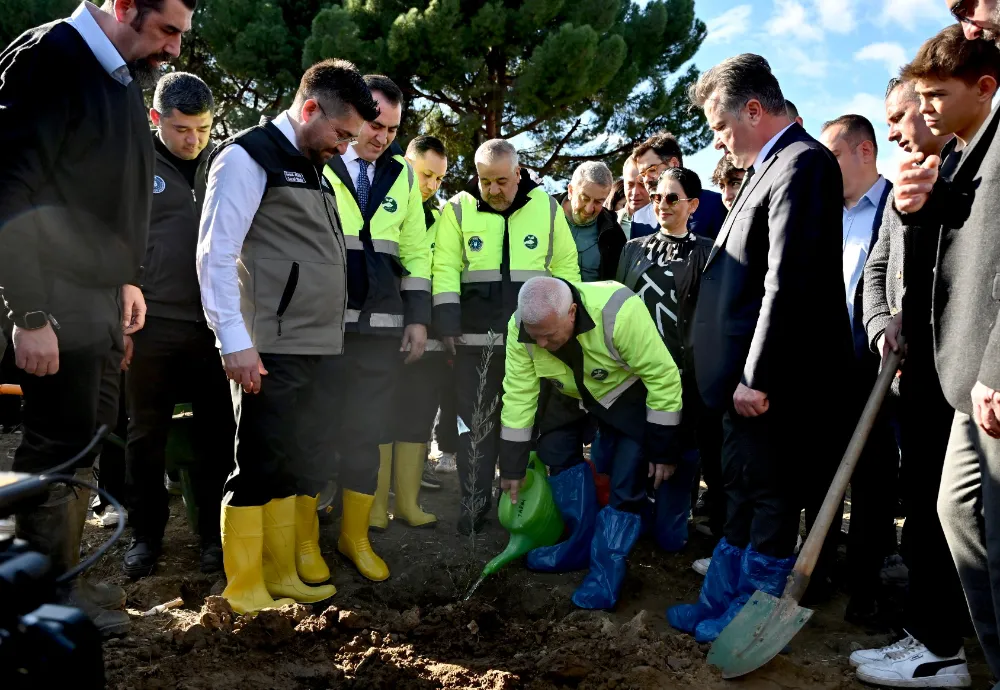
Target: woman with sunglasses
pixel 664 269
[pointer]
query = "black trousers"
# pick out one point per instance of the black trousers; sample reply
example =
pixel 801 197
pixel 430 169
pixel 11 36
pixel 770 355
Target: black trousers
pixel 61 413
pixel 477 482
pixel 109 470
pixel 422 386
pixel 177 362
pixel 935 611
pixel 874 490
pixel 759 458
pixel 370 374
pixel 285 433
pixel 706 425
pixel 10 405
pixel 446 430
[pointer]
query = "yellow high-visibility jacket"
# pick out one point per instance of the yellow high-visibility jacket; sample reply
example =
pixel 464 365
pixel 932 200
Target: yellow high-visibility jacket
pixel 388 255
pixel 481 258
pixel 625 376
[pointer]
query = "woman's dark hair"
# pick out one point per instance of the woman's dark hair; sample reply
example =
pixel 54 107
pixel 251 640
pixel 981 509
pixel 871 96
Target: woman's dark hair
pixel 689 180
pixel 617 194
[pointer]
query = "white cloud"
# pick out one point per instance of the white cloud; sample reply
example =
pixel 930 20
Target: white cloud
pixel 892 55
pixel 730 24
pixel 790 20
pixel 908 13
pixel 802 64
pixel 836 16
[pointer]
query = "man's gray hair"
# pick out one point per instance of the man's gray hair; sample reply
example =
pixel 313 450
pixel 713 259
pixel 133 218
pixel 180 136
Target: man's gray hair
pixel 541 297
pixel 184 92
pixel 493 149
pixel 738 80
pixel 593 172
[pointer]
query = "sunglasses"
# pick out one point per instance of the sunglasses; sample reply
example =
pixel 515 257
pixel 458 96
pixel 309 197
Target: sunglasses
pixel 668 199
pixel 960 12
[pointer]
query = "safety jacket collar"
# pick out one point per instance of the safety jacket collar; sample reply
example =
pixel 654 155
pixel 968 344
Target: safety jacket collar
pixel 583 323
pixel 521 199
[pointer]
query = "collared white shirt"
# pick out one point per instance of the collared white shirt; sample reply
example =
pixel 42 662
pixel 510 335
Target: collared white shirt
pixel 236 185
pixel 352 162
pixel 100 45
pixel 858 224
pixel 646 216
pixel 766 149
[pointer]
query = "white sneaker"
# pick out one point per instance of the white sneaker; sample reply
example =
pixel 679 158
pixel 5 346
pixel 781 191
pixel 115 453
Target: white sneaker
pixel 917 667
pixel 701 566
pixel 446 463
pixel 868 656
pixel 109 518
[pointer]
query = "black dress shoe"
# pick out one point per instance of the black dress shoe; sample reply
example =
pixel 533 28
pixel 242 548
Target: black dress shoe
pixel 140 559
pixel 211 558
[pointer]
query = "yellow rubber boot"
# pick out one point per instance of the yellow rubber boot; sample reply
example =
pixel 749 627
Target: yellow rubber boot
pixel 410 458
pixel 380 508
pixel 309 561
pixel 354 536
pixel 242 550
pixel 280 574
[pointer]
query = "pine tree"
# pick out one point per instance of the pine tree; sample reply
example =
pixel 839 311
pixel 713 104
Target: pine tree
pixel 584 80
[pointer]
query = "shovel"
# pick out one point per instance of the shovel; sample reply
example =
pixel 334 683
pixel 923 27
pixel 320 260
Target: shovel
pixel 767 624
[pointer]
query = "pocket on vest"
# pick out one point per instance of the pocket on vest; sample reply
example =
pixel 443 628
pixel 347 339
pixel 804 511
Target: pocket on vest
pixel 301 301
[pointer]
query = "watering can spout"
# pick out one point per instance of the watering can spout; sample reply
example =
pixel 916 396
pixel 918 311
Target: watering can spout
pixel 532 522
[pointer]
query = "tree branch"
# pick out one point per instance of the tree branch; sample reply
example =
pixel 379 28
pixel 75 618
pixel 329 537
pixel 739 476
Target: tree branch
pixel 444 100
pixel 558 147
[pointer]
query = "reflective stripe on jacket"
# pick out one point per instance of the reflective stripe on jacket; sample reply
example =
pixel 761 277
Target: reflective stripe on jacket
pixel 625 366
pixel 387 244
pixel 481 258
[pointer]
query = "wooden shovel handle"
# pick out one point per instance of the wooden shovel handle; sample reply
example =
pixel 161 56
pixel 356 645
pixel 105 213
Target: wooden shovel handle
pixel 806 562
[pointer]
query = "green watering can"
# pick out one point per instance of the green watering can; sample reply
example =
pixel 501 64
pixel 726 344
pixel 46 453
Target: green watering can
pixel 534 521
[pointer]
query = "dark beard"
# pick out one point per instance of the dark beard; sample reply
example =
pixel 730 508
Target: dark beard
pixel 145 73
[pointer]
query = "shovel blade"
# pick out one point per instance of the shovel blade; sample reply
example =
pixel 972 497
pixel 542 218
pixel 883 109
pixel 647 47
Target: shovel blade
pixel 758 634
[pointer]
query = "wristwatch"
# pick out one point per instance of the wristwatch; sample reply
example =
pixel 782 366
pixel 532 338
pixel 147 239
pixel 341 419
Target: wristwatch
pixel 33 320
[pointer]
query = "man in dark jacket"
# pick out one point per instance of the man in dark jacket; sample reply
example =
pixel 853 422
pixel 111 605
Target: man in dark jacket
pixel 174 357
pixel 898 278
pixel 598 236
pixel 75 191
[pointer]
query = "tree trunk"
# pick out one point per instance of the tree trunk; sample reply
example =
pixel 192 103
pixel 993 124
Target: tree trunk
pixel 496 65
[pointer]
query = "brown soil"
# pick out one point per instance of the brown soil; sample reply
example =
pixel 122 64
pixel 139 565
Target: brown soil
pixel 413 632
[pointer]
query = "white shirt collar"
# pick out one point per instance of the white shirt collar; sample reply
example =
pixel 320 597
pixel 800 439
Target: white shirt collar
pixel 284 125
pixel 100 45
pixel 874 195
pixel 762 156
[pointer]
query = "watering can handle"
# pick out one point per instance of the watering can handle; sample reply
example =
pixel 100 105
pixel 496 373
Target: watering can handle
pixel 809 555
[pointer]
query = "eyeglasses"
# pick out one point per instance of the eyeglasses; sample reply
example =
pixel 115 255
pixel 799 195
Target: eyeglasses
pixel 658 167
pixel 668 199
pixel 961 14
pixel 350 140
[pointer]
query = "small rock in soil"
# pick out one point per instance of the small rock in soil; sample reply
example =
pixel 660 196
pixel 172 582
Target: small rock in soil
pixel 217 614
pixel 354 620
pixel 565 666
pixel 678 663
pixel 195 637
pixel 268 629
pixel 409 620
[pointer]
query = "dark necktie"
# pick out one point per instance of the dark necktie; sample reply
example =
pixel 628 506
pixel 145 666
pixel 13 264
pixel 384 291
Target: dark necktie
pixel 364 186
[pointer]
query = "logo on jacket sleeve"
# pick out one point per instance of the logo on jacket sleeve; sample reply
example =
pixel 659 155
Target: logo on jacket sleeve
pixel 475 243
pixel 390 205
pixel 295 177
pixel 530 241
pixel 599 374
pixel 158 185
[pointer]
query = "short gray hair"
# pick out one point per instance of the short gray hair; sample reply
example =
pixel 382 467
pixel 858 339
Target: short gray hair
pixel 493 149
pixel 542 296
pixel 594 172
pixel 184 92
pixel 738 80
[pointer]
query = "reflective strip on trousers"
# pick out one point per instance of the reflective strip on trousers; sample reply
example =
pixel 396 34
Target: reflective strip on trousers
pixel 480 339
pixel 447 298
pixel 608 316
pixel 352 315
pixel 410 283
pixel 485 276
pixel 662 418
pixel 375 320
pixel 612 396
pixel 433 346
pixel 516 435
pixel 525 276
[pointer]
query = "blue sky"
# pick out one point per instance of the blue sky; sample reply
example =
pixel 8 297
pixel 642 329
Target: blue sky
pixel 831 57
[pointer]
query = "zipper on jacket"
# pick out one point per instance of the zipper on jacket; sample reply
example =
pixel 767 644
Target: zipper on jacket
pixel 286 295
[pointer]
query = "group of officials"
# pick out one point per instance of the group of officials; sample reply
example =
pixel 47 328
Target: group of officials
pixel 662 324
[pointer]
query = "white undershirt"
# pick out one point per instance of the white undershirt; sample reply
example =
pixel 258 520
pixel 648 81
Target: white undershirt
pixel 236 185
pixel 352 162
